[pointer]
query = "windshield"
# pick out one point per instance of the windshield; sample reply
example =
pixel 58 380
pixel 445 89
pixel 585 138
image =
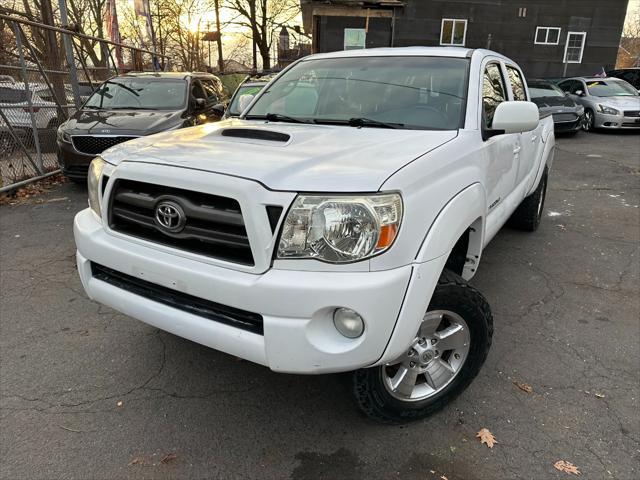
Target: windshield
pixel 139 94
pixel 234 108
pixel 538 90
pixel 610 88
pixel 406 92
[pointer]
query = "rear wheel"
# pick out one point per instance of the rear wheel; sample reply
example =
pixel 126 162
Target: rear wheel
pixel 529 213
pixel 446 354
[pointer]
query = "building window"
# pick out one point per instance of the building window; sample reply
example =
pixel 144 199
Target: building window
pixel 574 47
pixel 522 12
pixel 354 38
pixel 547 36
pixel 453 31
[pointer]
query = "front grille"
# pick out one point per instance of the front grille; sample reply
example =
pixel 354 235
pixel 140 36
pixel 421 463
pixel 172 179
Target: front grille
pixel 252 322
pixel 564 117
pixel 214 225
pixel 632 113
pixel 96 145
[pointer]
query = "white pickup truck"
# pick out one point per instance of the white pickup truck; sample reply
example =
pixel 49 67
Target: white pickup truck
pixel 333 226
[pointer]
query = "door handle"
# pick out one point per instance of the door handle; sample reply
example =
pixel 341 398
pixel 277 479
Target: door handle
pixel 517 149
pixel 534 138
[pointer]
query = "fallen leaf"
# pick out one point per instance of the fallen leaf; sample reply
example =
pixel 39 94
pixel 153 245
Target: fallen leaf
pixel 443 478
pixel 566 467
pixel 486 437
pixel 136 461
pixel 169 457
pixel 599 395
pixel 525 387
pixel 119 403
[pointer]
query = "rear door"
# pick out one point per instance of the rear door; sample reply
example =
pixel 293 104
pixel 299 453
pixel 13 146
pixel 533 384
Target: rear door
pixel 530 141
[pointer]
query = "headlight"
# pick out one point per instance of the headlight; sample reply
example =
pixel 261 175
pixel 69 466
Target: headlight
pixel 63 136
pixel 340 228
pixel 608 110
pixel 93 184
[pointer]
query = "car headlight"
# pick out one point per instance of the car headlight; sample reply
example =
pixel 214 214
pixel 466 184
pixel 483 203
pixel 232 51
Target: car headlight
pixel 63 136
pixel 340 228
pixel 608 110
pixel 93 184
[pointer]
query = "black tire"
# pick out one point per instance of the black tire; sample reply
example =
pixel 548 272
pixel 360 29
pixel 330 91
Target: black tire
pixel 454 294
pixel 528 215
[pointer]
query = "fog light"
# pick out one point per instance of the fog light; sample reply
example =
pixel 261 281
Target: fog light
pixel 348 322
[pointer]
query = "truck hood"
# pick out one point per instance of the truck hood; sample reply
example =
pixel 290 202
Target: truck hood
pixel 138 122
pixel 294 157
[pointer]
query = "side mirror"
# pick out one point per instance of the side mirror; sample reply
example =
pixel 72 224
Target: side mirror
pixel 218 109
pixel 200 103
pixel 516 117
pixel 579 93
pixel 244 101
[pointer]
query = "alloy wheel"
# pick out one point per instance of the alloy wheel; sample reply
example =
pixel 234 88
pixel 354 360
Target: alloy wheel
pixel 435 357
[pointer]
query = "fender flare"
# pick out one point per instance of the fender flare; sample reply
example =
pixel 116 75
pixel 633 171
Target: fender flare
pixel 466 210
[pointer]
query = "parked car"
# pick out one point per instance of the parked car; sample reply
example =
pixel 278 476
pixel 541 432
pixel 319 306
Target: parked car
pixel 335 225
pixel 14 101
pixel 608 102
pixel 249 86
pixel 629 75
pixel 135 105
pixel 566 113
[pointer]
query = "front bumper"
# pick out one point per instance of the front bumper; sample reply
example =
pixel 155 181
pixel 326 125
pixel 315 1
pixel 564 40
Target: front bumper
pixel 73 163
pixel 616 122
pixel 297 306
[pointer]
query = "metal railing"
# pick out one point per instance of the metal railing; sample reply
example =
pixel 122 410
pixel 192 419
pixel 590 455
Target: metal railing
pixel 46 74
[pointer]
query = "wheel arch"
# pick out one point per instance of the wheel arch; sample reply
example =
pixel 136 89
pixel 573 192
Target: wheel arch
pixel 458 232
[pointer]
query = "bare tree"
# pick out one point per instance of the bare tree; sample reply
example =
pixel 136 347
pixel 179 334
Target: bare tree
pixel 263 18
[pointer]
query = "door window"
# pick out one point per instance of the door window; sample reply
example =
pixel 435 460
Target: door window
pixel 517 85
pixel 197 91
pixel 211 92
pixel 493 92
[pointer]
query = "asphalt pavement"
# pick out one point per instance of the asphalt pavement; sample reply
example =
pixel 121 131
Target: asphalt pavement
pixel 87 393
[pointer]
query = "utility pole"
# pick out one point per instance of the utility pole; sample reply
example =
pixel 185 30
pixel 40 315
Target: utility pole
pixel 209 43
pixel 220 60
pixel 252 13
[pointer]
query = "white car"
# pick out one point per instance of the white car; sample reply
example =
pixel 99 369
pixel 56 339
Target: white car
pixel 14 102
pixel 332 227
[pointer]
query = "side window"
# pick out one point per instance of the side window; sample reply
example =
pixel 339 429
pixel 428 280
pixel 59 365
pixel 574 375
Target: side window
pixel 211 91
pixel 197 91
pixel 565 86
pixel 493 92
pixel 517 85
pixel 577 85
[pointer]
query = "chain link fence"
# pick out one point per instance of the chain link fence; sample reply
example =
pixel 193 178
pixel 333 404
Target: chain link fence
pixel 46 74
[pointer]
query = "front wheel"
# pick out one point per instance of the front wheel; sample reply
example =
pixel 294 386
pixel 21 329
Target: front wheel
pixel 588 121
pixel 446 354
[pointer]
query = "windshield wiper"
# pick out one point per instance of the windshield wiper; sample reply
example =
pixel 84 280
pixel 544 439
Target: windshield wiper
pixel 370 122
pixel 276 117
pixel 129 89
pixel 130 108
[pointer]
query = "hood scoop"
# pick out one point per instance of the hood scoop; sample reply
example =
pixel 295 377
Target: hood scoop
pixel 256 134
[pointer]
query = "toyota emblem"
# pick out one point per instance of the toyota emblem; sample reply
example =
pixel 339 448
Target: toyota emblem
pixel 170 216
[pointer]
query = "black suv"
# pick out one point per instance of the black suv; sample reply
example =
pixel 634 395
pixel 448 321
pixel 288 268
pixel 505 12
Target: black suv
pixel 135 105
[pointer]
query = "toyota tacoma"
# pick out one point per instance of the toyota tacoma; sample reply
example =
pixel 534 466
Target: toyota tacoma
pixel 334 225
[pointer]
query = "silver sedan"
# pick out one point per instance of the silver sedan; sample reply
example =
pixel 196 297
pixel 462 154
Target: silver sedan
pixel 608 102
